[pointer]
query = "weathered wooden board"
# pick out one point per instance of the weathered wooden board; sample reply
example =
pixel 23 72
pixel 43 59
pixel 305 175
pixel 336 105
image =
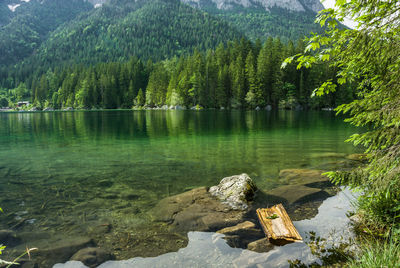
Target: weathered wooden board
pixel 277 225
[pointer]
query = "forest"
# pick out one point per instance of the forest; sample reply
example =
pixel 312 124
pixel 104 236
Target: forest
pixel 239 75
pixel 110 33
pixel 257 23
pixel 23 31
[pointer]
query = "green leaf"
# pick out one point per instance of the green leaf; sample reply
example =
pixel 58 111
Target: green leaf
pixel 340 3
pixel 273 217
pixel 324 57
pixel 286 62
pixel 341 80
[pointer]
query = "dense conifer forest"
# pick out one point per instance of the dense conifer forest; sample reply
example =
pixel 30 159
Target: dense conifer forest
pixel 23 31
pixel 258 24
pixel 239 75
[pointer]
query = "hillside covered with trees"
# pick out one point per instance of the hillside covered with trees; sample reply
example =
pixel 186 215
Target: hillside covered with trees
pixel 278 23
pixel 149 29
pixel 23 31
pixel 162 52
pixel 241 75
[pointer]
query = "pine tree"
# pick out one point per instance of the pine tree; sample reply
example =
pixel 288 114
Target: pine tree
pixel 264 71
pixel 254 95
pixel 239 84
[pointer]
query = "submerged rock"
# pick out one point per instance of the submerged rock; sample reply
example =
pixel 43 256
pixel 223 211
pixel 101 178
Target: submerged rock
pixel 357 157
pixel 198 210
pixel 295 194
pixel 302 176
pixel 211 250
pixel 51 252
pixel 328 155
pixel 260 245
pixel 241 227
pixel 92 257
pixel 9 238
pixel 235 191
pixel 195 210
pixel 242 234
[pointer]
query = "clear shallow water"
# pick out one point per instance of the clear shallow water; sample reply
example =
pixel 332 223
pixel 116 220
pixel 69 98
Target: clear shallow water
pixel 65 172
pixel 211 250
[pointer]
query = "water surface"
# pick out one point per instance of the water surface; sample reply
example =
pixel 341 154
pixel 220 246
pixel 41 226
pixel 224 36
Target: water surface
pixel 68 173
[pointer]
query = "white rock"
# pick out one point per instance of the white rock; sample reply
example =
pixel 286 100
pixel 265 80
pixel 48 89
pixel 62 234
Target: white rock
pixel 292 5
pixel 235 191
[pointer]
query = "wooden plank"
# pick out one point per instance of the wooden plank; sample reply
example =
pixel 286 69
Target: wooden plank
pixel 277 225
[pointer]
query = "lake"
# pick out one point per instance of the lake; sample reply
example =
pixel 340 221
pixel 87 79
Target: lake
pixel 98 173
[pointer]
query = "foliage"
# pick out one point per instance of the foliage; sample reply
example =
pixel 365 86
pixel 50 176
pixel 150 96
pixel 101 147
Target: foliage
pixel 278 22
pixel 377 254
pixel 121 29
pixel 14 262
pixel 239 75
pixel 369 56
pixel 5 13
pixel 27 27
pixel 328 252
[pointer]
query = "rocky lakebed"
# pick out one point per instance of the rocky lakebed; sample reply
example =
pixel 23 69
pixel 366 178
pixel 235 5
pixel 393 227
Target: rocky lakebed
pixel 199 219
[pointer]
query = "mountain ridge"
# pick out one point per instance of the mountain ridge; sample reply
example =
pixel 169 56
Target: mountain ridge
pixel 115 30
pixel 267 5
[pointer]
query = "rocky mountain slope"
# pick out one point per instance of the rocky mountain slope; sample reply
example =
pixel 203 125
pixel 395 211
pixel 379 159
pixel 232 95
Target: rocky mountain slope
pixel 259 19
pixel 291 5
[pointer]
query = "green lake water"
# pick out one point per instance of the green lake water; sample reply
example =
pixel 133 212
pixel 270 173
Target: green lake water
pixel 67 173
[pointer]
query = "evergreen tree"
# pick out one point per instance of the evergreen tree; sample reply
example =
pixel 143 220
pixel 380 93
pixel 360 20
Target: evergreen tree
pixel 239 83
pixel 82 95
pixel 139 100
pixel 254 95
pixel 264 71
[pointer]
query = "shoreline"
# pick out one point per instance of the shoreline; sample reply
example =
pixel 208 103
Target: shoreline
pixel 211 249
pixel 159 109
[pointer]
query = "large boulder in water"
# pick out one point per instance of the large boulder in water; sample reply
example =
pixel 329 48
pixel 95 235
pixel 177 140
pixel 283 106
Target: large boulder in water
pixel 199 210
pixel 195 210
pixel 235 191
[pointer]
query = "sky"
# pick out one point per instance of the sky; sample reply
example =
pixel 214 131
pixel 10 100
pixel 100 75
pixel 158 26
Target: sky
pixel 330 4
